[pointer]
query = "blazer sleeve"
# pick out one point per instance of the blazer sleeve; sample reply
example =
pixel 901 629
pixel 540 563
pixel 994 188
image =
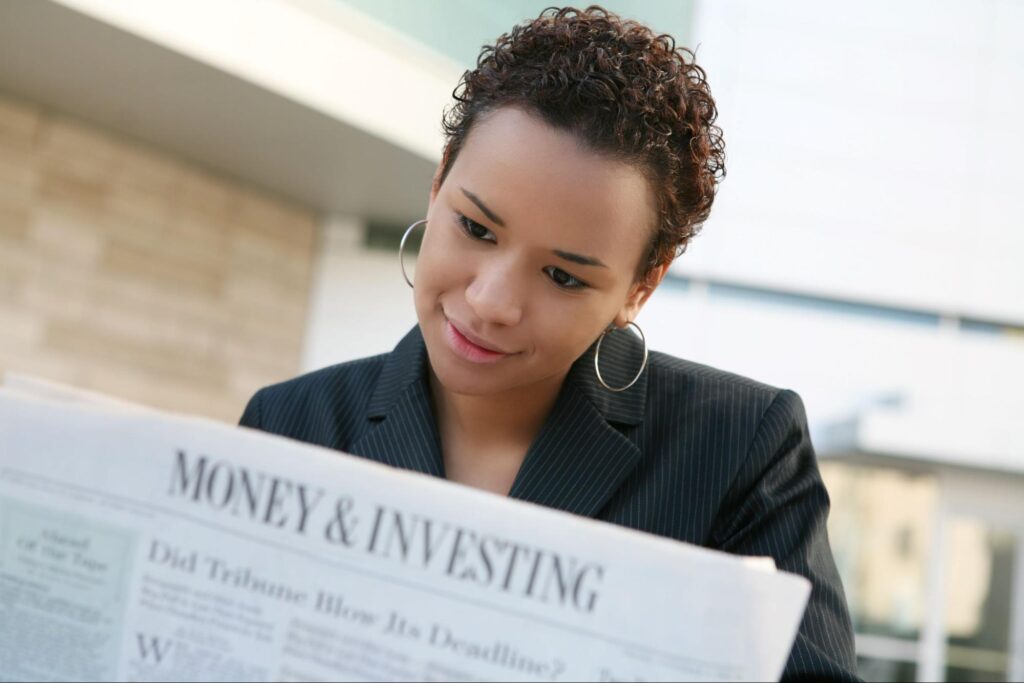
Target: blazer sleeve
pixel 251 416
pixel 777 505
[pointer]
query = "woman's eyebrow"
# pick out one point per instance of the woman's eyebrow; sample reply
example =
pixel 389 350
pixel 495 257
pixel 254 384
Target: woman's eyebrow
pixel 483 207
pixel 578 258
pixel 567 255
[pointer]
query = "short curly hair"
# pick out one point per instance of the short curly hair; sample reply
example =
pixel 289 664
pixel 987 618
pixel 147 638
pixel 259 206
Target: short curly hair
pixel 624 91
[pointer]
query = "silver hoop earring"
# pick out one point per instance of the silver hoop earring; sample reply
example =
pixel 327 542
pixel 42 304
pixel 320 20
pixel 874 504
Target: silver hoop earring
pixel 401 248
pixel 597 357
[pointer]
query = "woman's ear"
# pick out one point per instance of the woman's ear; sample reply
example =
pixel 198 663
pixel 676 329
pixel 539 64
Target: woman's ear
pixel 639 294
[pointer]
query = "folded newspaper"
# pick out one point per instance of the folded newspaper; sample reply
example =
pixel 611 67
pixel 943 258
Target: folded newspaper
pixel 140 545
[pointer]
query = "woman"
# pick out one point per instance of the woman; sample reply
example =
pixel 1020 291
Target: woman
pixel 581 157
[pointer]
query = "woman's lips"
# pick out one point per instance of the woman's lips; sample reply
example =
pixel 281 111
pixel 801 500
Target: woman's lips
pixel 469 350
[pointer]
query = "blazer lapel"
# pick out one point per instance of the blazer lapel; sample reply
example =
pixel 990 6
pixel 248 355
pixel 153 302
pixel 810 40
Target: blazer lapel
pixel 404 431
pixel 580 459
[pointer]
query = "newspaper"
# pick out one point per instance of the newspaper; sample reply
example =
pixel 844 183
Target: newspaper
pixel 139 545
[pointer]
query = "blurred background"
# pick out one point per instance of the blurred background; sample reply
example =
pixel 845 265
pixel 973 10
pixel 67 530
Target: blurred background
pixel 198 198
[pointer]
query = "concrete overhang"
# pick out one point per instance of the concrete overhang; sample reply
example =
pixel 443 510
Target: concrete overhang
pixel 926 439
pixel 304 98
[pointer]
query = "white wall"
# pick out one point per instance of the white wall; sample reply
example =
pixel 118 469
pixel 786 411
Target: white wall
pixel 938 390
pixel 874 150
pixel 360 305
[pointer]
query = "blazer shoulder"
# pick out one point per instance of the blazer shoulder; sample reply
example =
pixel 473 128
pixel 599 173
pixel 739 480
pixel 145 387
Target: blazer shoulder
pixel 690 400
pixel 672 376
pixel 313 406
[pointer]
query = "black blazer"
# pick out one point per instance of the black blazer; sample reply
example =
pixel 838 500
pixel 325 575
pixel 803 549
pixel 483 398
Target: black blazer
pixel 688 452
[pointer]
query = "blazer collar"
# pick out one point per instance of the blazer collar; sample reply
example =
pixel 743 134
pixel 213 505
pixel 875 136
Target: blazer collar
pixel 579 458
pixel 405 431
pixel 621 355
pixel 405 365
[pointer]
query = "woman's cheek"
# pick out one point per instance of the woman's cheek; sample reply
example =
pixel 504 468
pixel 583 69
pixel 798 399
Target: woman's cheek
pixel 556 316
pixel 440 264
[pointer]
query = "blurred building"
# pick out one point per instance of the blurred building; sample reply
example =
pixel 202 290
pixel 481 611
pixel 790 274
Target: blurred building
pixel 197 199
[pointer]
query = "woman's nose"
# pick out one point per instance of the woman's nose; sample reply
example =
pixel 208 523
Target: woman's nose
pixel 494 296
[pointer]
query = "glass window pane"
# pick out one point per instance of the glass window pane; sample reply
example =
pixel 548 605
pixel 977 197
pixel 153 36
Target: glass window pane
pixel 885 670
pixel 955 674
pixel 980 566
pixel 880 530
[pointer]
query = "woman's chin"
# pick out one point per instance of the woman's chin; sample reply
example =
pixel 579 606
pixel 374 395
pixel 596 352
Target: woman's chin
pixel 470 381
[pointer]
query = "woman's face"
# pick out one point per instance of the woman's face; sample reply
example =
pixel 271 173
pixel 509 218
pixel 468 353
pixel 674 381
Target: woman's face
pixel 530 251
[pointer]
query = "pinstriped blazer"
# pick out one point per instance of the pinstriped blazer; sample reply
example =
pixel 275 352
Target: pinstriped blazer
pixel 688 452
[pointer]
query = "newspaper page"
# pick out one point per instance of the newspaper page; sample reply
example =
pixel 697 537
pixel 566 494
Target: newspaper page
pixel 138 545
pixel 31 386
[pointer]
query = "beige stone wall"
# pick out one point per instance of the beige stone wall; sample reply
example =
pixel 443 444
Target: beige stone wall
pixel 126 271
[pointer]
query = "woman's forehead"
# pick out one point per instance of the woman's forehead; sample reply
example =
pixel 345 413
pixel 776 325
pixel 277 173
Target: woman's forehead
pixel 527 172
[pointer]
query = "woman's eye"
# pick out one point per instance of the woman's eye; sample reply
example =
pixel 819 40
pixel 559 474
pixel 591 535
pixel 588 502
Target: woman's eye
pixel 478 232
pixel 475 230
pixel 563 279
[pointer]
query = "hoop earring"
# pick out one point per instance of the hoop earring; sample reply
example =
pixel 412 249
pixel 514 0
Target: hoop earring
pixel 597 357
pixel 401 248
